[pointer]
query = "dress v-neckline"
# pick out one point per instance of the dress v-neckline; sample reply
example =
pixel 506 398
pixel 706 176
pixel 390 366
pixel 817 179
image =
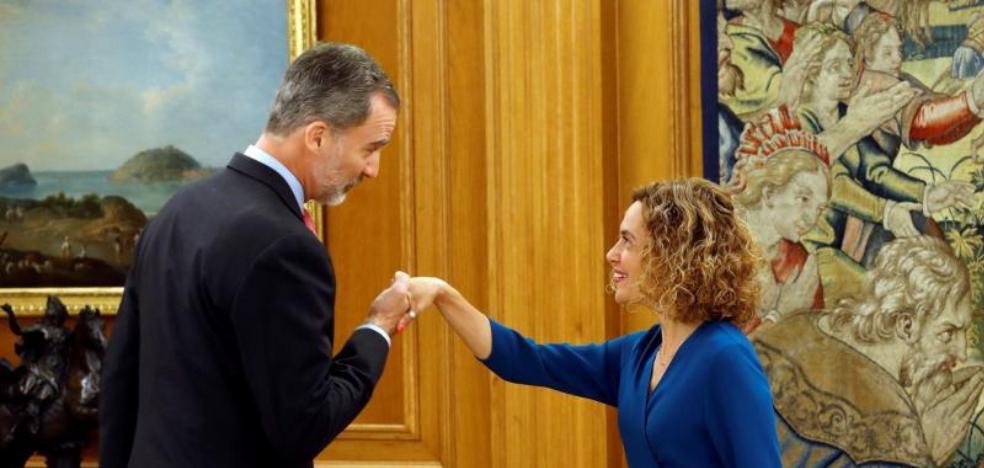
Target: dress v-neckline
pixel 652 371
pixel 650 389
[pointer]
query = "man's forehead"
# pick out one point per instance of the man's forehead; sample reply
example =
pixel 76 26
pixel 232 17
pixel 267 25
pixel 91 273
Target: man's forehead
pixel 382 119
pixel 376 127
pixel 957 310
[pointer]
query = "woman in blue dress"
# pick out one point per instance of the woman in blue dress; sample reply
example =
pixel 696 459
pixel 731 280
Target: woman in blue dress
pixel 689 391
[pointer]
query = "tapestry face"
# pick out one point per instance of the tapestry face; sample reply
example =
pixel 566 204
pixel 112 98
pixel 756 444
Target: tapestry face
pixel 106 109
pixel 850 135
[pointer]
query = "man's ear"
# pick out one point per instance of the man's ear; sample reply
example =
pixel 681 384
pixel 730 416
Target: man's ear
pixel 317 134
pixel 907 327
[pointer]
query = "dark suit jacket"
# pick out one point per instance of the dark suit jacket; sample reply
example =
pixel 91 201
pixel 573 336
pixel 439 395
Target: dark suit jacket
pixel 222 351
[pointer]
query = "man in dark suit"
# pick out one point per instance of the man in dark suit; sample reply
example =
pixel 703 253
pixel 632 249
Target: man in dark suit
pixel 222 351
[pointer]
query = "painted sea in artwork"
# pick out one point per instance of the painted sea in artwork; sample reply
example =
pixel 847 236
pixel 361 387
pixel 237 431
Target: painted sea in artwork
pixel 107 108
pixel 147 197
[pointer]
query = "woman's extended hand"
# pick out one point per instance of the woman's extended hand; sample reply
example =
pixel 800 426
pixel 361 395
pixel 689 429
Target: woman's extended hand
pixel 424 291
pixel 471 325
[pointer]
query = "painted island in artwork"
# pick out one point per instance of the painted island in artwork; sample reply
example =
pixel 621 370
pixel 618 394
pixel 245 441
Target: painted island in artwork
pixel 106 110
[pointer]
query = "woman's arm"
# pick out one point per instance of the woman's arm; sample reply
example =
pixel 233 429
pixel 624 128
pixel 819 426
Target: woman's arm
pixel 739 411
pixel 589 371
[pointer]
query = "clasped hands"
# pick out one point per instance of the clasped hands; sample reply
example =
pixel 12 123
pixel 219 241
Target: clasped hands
pixel 398 305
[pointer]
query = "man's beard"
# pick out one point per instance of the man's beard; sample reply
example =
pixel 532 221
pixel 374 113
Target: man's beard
pixel 924 376
pixel 336 189
pixel 336 195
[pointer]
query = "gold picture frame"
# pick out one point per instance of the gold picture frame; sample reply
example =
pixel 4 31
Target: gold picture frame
pixel 27 302
pixel 302 32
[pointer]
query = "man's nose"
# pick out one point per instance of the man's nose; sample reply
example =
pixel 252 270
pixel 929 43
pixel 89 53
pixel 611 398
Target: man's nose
pixel 959 348
pixel 372 167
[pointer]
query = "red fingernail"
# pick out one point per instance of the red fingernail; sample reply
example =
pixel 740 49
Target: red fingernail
pixel 400 327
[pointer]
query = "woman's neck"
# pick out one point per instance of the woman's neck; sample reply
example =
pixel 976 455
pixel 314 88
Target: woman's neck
pixel 674 334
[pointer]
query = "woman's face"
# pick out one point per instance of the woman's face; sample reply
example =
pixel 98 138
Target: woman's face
pixel 625 256
pixel 886 56
pixel 836 75
pixel 796 206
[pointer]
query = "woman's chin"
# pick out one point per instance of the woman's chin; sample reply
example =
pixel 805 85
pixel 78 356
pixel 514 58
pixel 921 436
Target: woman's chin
pixel 625 298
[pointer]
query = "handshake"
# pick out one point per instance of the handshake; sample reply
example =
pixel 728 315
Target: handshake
pixel 398 305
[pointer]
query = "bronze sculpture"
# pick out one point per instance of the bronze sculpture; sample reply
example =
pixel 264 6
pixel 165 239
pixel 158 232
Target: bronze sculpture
pixel 49 403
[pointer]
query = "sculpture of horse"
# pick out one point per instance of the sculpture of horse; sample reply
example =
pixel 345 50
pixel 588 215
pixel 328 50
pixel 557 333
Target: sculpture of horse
pixel 58 427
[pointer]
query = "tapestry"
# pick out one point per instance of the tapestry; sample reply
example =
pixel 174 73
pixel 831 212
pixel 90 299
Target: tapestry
pixel 849 133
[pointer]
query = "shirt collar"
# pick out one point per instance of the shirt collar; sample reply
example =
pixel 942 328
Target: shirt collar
pixel 266 159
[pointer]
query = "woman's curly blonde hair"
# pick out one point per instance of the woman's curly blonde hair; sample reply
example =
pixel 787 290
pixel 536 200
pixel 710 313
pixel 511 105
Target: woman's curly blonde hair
pixel 701 261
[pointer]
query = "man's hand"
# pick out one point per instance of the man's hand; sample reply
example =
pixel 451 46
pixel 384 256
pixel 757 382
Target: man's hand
pixel 898 219
pixel 949 194
pixel 871 107
pixel 795 69
pixel 391 306
pixel 867 110
pixel 948 419
pixel 831 11
pixel 424 291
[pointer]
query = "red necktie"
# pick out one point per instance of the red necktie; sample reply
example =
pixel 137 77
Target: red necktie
pixel 309 222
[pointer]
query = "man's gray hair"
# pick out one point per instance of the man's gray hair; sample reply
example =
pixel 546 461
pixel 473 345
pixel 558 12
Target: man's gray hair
pixel 912 277
pixel 330 82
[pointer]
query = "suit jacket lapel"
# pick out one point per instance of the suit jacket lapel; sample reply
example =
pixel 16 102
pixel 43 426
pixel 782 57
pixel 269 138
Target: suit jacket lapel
pixel 256 170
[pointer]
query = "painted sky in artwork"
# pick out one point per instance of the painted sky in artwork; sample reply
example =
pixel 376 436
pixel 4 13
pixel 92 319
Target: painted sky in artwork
pixel 86 85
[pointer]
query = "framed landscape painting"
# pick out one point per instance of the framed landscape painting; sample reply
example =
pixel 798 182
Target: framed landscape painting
pixel 106 109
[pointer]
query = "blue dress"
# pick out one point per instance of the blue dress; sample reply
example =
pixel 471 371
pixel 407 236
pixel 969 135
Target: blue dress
pixel 713 406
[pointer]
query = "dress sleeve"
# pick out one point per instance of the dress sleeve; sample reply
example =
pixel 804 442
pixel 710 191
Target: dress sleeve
pixel 739 410
pixel 589 371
